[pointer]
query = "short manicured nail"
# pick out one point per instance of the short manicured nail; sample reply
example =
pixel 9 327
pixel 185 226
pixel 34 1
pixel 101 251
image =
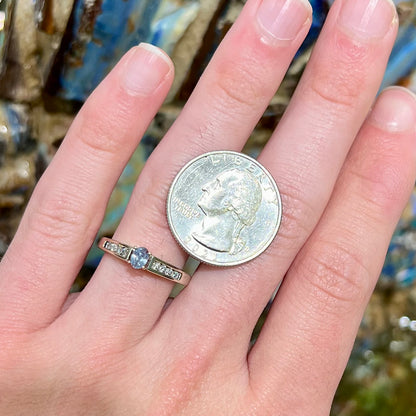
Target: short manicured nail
pixel 367 18
pixel 283 19
pixel 145 69
pixel 395 110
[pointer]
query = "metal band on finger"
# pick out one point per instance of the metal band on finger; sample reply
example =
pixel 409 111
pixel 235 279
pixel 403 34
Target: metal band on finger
pixel 140 259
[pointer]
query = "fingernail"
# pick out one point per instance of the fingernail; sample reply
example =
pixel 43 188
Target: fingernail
pixel 369 18
pixel 283 19
pixel 395 110
pixel 145 69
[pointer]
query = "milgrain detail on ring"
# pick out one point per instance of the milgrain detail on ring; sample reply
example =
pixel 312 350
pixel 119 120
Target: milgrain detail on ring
pixel 140 259
pixel 224 208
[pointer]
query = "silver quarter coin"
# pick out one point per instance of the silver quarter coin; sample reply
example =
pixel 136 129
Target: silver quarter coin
pixel 224 208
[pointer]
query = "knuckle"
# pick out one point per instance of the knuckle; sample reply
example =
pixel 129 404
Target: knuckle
pixel 293 229
pixel 238 86
pixel 380 172
pixel 337 276
pixel 184 377
pixel 339 80
pixel 34 367
pixel 101 130
pixel 58 220
pixel 21 362
pixel 340 90
pixel 297 220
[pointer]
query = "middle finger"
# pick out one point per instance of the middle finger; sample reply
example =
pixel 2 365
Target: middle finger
pixel 305 156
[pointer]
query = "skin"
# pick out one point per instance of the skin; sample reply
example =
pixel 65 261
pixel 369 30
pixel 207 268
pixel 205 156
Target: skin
pixel 345 166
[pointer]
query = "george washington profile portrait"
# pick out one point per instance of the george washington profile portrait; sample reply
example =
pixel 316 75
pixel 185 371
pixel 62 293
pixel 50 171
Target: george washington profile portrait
pixel 229 203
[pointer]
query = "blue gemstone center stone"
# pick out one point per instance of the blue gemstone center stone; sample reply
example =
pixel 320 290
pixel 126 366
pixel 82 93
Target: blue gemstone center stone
pixel 139 258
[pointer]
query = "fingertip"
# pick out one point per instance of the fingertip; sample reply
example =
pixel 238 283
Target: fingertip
pixel 283 20
pixel 367 19
pixel 395 110
pixel 146 67
pixel 158 52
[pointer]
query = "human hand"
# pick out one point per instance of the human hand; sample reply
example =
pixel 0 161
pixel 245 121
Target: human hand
pixel 116 348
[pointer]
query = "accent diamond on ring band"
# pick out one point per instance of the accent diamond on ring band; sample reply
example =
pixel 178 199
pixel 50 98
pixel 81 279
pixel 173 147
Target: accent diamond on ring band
pixel 140 259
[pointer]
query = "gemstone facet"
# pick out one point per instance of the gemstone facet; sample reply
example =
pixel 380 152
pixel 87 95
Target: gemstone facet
pixel 139 257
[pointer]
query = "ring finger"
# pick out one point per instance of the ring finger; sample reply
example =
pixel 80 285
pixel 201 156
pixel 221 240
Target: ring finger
pixel 221 113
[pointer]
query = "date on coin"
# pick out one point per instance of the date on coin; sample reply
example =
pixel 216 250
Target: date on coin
pixel 224 208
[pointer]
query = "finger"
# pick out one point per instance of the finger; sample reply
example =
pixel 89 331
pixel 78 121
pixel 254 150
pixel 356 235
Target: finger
pixel 67 207
pixel 224 108
pixel 318 309
pixel 305 156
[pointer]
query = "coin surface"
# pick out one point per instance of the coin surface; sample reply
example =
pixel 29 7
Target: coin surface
pixel 224 208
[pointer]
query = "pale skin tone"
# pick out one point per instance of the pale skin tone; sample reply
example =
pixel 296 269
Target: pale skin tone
pixel 344 171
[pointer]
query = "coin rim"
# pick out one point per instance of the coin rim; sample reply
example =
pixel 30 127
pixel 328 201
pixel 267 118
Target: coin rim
pixel 175 234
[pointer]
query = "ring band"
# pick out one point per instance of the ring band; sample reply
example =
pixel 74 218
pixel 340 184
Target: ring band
pixel 140 259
